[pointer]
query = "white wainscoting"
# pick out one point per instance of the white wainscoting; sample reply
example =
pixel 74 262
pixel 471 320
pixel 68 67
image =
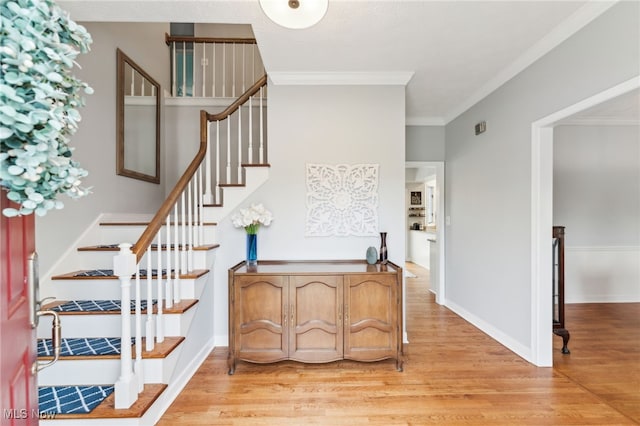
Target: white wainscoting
pixel 602 274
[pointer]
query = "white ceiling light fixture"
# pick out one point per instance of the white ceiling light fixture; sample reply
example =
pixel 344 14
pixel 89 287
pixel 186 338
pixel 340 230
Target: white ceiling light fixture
pixel 295 14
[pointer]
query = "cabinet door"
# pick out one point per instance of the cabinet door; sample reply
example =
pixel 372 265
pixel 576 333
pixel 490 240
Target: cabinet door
pixel 371 317
pixel 260 309
pixel 316 333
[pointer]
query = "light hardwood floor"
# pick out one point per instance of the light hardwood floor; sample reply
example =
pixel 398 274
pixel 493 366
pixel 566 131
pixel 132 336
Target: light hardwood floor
pixel 453 375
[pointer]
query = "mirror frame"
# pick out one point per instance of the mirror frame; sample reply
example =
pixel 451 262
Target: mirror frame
pixel 121 60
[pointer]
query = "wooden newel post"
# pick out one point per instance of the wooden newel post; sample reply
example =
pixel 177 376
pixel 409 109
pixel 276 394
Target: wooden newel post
pixel 126 388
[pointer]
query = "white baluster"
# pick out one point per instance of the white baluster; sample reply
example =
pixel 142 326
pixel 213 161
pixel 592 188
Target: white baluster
pixel 167 252
pixel 138 366
pixel 228 149
pixel 201 209
pixel 250 148
pixel 233 79
pixel 243 69
pixel 204 69
pixel 176 256
pixel 240 144
pixel 218 164
pixel 193 71
pixel 184 69
pixel 224 70
pixel 213 70
pixel 196 208
pixel 126 387
pixel 160 284
pixel 175 70
pixel 208 195
pixel 132 89
pixel 261 130
pixel 183 253
pixel 190 226
pixel 150 325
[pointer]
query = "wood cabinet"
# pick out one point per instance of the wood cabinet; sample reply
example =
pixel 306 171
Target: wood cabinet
pixel 315 312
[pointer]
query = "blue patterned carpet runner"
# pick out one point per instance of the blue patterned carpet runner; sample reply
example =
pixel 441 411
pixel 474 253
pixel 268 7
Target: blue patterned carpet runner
pixel 96 306
pixel 71 399
pixel 82 346
pixel 109 273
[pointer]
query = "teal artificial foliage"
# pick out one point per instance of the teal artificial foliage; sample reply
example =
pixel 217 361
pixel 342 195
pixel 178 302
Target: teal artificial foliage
pixel 39 104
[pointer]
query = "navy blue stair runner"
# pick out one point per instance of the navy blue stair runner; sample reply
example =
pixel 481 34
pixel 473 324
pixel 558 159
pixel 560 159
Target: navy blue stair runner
pixel 109 273
pixel 82 346
pixel 96 306
pixel 71 399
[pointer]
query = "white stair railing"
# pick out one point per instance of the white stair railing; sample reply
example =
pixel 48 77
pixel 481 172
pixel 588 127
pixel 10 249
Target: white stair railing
pixel 182 216
pixel 211 67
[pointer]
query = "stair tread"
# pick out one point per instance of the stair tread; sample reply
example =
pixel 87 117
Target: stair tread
pixel 79 275
pixel 115 248
pixel 106 409
pixel 161 350
pixel 177 308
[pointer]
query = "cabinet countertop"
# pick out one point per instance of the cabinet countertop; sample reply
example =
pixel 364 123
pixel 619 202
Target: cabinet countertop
pixel 315 266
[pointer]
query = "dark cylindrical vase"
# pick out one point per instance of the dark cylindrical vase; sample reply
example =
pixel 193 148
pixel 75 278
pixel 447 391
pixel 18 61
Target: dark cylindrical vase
pixel 383 248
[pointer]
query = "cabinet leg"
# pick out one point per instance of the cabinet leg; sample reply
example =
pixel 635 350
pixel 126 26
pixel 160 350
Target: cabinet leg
pixel 564 333
pixel 231 362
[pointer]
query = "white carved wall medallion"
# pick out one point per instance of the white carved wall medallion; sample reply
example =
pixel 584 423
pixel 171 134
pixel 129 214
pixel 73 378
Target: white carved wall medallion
pixel 342 200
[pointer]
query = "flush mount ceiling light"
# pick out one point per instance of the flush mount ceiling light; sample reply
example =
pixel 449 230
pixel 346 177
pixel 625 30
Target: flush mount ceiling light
pixel 295 14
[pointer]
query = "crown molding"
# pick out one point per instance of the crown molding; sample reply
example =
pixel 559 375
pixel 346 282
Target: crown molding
pixel 566 29
pixel 400 78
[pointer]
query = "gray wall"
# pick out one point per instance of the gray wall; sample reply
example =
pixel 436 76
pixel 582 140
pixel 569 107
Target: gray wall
pixel 488 177
pixel 95 141
pixel 425 143
pixel 596 184
pixel 323 125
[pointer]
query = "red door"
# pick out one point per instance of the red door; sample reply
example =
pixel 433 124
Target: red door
pixel 18 392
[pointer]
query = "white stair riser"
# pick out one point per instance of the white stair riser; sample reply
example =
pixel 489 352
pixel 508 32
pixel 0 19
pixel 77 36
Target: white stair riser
pixel 104 371
pixel 109 325
pixel 104 260
pixel 109 289
pixel 116 234
pixel 235 196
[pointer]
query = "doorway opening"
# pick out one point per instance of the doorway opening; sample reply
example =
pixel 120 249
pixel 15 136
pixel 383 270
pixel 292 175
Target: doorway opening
pixel 424 202
pixel 542 218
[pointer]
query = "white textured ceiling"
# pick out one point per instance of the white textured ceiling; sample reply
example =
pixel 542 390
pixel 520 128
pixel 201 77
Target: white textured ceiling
pixel 455 52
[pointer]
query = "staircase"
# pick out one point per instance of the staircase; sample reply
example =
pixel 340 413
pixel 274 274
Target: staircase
pixel 88 304
pixel 124 365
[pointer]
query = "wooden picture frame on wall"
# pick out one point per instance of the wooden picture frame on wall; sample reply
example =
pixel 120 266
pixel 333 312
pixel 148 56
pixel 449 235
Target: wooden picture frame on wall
pixel 416 198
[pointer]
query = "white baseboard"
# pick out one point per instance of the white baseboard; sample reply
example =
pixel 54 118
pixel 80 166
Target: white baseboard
pixel 602 274
pixel 505 340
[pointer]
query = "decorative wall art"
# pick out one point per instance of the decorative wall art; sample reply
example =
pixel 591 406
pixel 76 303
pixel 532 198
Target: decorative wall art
pixel 342 200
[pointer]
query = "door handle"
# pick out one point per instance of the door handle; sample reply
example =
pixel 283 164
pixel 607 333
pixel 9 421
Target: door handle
pixel 33 283
pixel 56 341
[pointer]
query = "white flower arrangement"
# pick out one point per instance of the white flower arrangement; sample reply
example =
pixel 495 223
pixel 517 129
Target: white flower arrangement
pixel 39 103
pixel 251 218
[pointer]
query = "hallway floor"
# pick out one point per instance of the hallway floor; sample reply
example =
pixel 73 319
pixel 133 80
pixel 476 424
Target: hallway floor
pixel 453 375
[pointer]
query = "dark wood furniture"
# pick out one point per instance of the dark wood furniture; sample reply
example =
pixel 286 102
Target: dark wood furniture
pixel 315 311
pixel 558 288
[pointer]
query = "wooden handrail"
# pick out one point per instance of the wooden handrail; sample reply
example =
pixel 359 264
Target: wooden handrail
pixel 168 39
pixel 156 223
pixel 240 101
